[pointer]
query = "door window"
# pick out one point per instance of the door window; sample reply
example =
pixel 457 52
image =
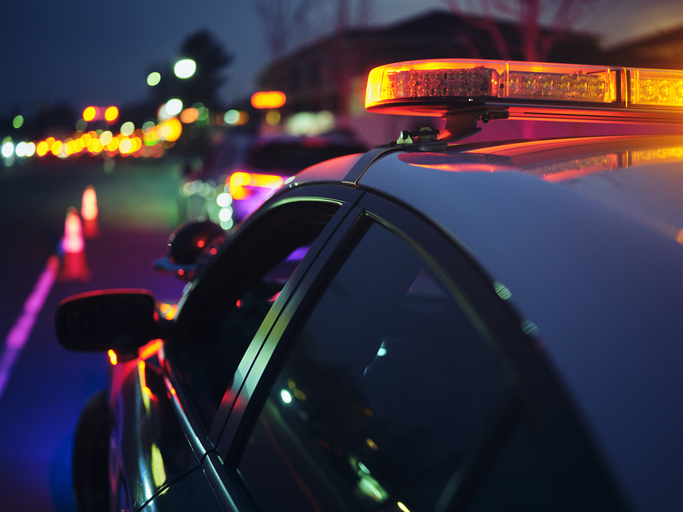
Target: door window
pixel 232 300
pixel 381 394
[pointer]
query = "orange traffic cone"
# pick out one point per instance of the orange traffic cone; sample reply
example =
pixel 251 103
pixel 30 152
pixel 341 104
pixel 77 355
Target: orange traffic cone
pixel 89 212
pixel 74 265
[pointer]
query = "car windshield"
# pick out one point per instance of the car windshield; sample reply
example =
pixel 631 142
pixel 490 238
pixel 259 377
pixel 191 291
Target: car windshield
pixel 295 155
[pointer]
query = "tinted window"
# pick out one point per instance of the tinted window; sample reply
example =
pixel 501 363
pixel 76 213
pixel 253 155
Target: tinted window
pixel 383 390
pixel 232 300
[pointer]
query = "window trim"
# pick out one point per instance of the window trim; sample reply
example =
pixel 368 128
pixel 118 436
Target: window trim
pixel 288 316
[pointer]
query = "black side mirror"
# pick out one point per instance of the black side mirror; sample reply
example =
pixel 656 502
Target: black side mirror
pixel 189 247
pixel 122 320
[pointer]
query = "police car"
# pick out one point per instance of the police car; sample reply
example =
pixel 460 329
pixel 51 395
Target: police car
pixel 432 325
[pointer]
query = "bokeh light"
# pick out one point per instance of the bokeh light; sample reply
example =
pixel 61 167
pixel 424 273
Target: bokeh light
pixel 185 68
pixel 57 147
pixel 189 115
pixel 89 113
pixel 18 121
pixel 7 149
pixel 173 107
pixel 273 117
pixel 41 148
pixel 111 114
pixel 127 128
pixel 105 138
pixel 236 117
pixel 169 130
pixel 268 99
pixel 153 79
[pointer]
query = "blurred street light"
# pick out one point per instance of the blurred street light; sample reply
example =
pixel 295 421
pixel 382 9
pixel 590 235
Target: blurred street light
pixel 153 79
pixel 174 107
pixel 268 99
pixel 185 68
pixel 111 115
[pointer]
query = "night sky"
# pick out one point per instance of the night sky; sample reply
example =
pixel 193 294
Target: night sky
pixel 97 52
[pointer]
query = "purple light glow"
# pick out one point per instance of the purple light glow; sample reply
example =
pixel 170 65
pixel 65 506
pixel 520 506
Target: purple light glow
pixel 18 335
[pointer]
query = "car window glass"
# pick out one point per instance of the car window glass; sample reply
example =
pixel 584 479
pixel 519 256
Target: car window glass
pixel 382 392
pixel 214 360
pixel 238 293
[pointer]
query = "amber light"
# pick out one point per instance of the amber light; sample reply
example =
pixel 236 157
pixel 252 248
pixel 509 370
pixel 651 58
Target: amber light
pixel 111 114
pixel 89 114
pixel 238 181
pixel 150 349
pixel 465 80
pixel 113 359
pixel 268 99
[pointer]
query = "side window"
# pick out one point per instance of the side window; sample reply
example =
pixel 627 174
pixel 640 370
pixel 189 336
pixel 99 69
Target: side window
pixel 236 297
pixel 382 392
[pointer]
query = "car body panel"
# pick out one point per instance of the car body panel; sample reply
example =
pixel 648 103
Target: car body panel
pixel 593 263
pixel 148 447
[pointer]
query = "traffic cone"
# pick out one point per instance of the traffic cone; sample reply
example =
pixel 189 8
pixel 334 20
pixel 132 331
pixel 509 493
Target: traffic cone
pixel 89 212
pixel 74 265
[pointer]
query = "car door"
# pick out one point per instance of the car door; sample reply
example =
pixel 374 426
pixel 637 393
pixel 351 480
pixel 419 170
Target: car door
pixel 397 377
pixel 249 278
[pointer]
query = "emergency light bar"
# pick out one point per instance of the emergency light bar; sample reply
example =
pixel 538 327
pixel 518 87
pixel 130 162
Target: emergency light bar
pixel 527 89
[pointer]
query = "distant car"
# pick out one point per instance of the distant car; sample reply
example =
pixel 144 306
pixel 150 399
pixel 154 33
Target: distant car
pixel 246 169
pixel 435 324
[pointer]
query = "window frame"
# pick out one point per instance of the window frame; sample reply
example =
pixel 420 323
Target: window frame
pixel 331 201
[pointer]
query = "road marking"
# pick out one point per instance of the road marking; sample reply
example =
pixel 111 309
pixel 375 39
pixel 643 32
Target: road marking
pixel 18 336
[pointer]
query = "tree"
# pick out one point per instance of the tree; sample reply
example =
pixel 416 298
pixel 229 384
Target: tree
pixel 204 85
pixel 285 24
pixel 536 42
pixel 288 24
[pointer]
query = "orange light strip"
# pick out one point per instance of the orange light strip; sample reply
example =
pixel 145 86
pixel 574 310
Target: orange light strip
pixel 490 79
pixel 150 349
pixel 238 181
pixel 437 87
pixel 268 99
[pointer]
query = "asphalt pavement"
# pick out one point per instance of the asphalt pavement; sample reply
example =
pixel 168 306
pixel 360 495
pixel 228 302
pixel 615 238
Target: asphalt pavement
pixel 47 386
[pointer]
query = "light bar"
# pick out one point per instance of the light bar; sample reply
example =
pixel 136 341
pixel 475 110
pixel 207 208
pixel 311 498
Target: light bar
pixel 655 87
pixel 441 86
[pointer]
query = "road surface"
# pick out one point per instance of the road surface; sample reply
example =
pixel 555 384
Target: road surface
pixel 44 385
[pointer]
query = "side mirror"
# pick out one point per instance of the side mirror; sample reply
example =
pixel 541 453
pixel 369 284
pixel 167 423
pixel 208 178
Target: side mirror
pixel 123 320
pixel 189 247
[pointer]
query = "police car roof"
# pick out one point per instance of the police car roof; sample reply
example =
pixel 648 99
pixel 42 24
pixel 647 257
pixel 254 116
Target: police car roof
pixel 586 234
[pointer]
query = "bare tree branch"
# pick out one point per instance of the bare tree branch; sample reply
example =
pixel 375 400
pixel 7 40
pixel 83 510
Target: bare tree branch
pixel 285 24
pixel 536 41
